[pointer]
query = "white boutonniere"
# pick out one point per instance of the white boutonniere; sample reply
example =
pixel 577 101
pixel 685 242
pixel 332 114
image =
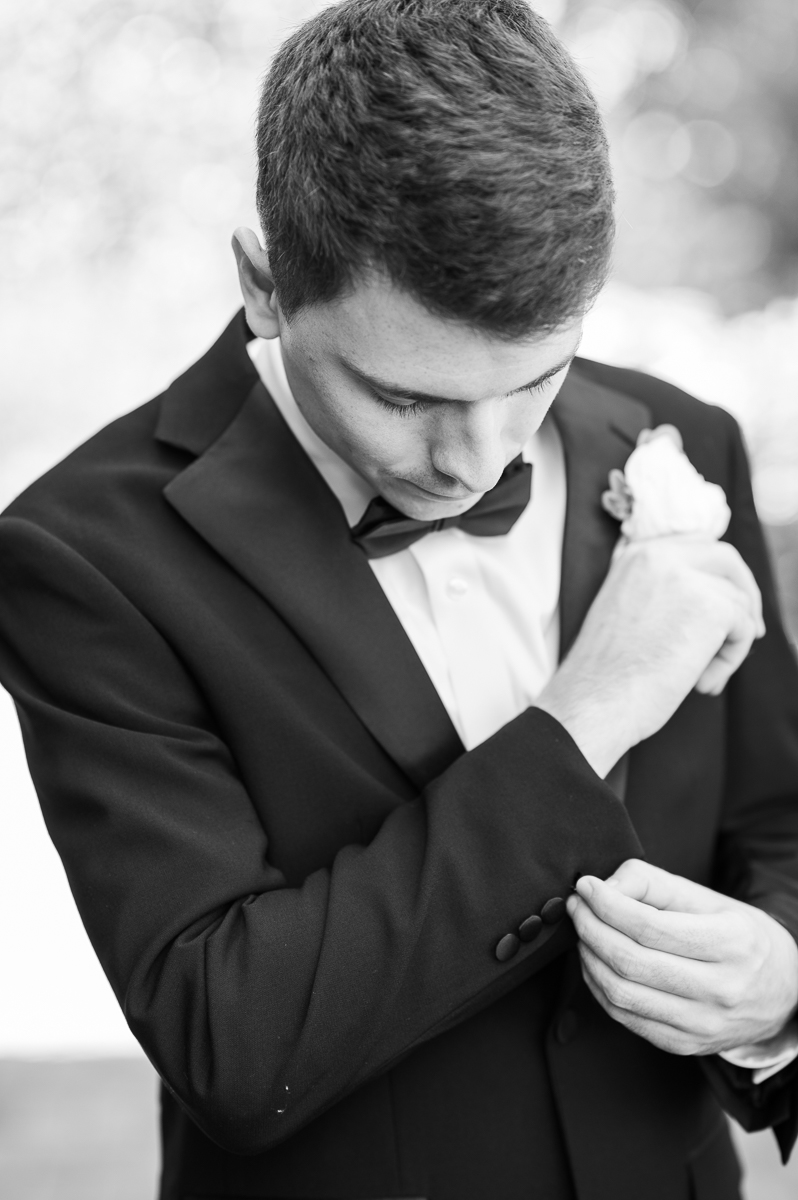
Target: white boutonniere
pixel 660 492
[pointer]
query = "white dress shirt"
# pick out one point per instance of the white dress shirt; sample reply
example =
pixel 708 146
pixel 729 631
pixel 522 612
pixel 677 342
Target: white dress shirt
pixel 481 612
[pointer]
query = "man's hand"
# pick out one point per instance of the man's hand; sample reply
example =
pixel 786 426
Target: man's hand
pixel 691 970
pixel 674 613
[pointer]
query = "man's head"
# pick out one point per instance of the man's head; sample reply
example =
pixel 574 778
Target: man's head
pixel 436 202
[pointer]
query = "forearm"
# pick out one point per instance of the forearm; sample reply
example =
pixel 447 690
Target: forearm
pixel 337 979
pixel 238 985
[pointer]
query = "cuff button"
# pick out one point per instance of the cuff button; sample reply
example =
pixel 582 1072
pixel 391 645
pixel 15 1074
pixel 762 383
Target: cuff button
pixel 506 947
pixel 553 910
pixel 529 929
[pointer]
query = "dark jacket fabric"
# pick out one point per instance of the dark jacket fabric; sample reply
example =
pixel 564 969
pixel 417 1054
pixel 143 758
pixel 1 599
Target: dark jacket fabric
pixel 296 878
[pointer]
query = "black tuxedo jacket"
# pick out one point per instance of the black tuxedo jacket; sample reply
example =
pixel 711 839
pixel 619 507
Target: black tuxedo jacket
pixel 296 878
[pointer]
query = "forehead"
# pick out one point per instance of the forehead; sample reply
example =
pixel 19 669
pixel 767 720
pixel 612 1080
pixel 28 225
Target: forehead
pixel 388 335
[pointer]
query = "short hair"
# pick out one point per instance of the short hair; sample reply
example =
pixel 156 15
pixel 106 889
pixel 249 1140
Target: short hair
pixel 451 144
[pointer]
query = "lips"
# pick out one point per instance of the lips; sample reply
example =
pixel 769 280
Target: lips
pixel 442 497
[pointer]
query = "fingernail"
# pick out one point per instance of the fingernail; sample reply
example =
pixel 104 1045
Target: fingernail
pixel 584 886
pixel 612 882
pixel 571 904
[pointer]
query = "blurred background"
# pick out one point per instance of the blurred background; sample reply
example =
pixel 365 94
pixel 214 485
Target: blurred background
pixel 125 163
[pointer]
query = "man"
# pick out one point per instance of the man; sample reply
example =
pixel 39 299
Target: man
pixel 300 734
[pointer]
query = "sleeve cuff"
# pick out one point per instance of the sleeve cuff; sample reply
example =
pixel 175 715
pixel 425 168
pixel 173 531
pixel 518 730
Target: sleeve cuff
pixel 767 1058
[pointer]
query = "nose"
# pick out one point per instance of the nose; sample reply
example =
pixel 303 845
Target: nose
pixel 468 445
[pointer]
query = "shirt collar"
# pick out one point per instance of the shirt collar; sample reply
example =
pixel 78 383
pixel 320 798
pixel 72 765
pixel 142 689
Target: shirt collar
pixel 350 489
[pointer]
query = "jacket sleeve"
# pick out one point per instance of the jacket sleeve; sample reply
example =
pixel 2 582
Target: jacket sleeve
pixel 262 1004
pixel 757 858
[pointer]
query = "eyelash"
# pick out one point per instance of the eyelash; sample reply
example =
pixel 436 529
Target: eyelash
pixel 412 410
pixel 402 410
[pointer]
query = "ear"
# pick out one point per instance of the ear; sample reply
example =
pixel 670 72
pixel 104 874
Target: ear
pixel 257 285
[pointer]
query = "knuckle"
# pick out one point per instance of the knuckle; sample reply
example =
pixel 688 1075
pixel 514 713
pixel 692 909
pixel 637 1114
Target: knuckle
pixel 631 871
pixel 650 935
pixel 678 1042
pixel 750 945
pixel 729 990
pixel 660 978
pixel 619 994
pixel 734 995
pixel 624 964
pixel 707 1025
pixel 720 994
pixel 738 938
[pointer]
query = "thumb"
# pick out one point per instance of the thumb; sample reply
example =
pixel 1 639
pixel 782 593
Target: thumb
pixel 651 885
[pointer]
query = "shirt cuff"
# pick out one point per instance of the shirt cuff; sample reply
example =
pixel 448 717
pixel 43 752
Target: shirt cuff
pixel 767 1058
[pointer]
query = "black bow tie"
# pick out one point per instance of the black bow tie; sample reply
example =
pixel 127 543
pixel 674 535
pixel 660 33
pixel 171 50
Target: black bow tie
pixel 382 530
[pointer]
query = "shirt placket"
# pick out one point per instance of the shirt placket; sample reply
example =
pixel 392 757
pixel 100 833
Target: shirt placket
pixel 467 626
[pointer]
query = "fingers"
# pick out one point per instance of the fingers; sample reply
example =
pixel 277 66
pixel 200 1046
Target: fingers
pixel 743 624
pixel 638 999
pixel 661 1034
pixel 640 880
pixel 693 982
pixel 629 962
pixel 729 658
pixel 705 936
pixel 727 593
pixel 718 559
pixel 723 560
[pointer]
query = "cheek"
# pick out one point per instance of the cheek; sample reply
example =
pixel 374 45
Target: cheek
pixel 337 417
pixel 525 418
pixel 387 443
pixel 375 442
pixel 532 412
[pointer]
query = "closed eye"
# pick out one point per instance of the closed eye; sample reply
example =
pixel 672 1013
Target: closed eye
pixel 545 380
pixel 402 410
pixel 413 408
pixel 538 387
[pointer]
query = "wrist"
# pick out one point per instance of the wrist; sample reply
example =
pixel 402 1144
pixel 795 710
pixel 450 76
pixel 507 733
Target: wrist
pixel 590 715
pixel 789 961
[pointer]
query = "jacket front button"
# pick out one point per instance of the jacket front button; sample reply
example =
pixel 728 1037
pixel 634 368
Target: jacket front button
pixel 506 947
pixel 567 1027
pixel 529 929
pixel 553 910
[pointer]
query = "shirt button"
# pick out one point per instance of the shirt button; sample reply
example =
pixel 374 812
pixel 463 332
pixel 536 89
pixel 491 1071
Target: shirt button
pixel 456 588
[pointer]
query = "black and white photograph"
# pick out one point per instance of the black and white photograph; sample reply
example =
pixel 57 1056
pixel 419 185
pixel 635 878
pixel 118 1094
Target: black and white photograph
pixel 399 600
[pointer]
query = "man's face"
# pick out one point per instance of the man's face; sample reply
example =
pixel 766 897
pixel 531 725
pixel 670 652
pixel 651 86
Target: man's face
pixel 427 410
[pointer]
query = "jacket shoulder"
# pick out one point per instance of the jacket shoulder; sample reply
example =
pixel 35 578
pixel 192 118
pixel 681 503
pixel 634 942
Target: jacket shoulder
pixel 106 486
pixel 667 403
pixel 120 472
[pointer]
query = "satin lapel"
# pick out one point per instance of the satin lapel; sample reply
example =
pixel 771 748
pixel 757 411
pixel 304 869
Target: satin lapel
pixel 258 500
pixel 599 429
pixel 202 402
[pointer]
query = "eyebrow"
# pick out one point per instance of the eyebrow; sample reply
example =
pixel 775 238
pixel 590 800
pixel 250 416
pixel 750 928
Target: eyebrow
pixel 401 393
